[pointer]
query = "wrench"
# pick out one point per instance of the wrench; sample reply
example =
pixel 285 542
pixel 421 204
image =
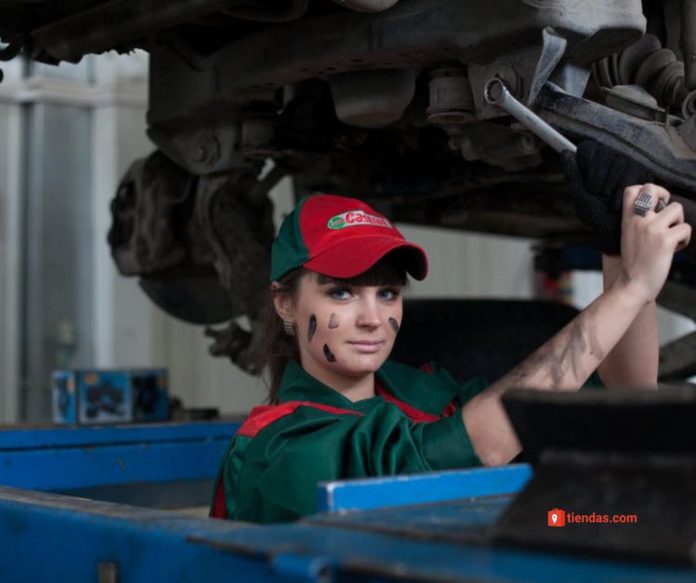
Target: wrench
pixel 496 93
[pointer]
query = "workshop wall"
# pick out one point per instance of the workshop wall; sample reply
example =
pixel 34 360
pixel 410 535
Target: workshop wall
pixel 10 243
pixel 54 260
pixel 472 266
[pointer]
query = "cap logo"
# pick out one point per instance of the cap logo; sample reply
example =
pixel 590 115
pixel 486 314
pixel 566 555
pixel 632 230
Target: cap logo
pixel 357 218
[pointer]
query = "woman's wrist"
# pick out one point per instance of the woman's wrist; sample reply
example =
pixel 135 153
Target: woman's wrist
pixel 631 290
pixel 611 269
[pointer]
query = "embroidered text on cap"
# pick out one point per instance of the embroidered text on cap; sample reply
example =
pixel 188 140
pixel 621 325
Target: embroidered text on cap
pixel 357 218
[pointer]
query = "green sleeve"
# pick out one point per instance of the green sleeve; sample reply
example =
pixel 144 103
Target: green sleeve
pixel 283 465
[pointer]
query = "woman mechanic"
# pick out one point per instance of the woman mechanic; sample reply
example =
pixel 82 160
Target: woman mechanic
pixel 339 409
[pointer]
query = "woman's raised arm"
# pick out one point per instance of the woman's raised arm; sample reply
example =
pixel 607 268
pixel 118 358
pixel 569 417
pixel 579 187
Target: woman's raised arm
pixel 566 361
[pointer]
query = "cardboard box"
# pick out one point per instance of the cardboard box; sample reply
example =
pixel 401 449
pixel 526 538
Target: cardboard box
pixel 96 396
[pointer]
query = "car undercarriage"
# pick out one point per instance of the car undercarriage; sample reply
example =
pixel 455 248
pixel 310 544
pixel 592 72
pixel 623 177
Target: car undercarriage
pixel 379 99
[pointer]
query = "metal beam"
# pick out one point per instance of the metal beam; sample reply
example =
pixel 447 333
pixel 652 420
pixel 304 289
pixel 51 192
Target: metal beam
pixel 59 459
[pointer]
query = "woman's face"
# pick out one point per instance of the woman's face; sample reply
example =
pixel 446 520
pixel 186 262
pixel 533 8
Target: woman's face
pixel 342 330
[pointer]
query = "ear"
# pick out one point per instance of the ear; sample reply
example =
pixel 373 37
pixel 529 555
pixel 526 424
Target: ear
pixel 282 302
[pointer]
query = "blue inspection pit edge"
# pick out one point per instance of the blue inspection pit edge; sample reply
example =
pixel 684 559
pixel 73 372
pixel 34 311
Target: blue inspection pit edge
pixel 367 494
pixel 69 458
pixel 58 436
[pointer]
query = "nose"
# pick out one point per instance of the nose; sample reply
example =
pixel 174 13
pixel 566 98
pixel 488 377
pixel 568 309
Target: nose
pixel 369 314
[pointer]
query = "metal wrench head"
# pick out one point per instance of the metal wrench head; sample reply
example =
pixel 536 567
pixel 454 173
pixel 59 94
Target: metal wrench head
pixel 494 92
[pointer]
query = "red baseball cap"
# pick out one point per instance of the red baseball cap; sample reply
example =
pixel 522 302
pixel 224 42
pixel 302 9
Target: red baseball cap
pixel 339 237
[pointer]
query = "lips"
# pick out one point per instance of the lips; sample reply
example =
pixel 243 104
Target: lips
pixel 366 346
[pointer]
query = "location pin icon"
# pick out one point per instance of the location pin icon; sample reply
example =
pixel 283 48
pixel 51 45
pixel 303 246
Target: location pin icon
pixel 554 517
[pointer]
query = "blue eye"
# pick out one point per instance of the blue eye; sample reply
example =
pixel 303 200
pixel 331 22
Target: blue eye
pixel 388 294
pixel 339 293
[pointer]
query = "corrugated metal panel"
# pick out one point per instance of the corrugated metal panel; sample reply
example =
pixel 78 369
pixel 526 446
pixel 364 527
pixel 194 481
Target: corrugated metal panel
pixel 58 292
pixel 468 265
pixel 10 247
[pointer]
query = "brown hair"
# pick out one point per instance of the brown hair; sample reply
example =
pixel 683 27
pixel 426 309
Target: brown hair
pixel 281 348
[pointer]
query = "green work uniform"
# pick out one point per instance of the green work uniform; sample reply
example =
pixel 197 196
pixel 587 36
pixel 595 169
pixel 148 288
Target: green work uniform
pixel 275 461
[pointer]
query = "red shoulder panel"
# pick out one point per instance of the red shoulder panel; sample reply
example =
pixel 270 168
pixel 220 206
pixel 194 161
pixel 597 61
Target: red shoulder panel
pixel 263 415
pixel 410 411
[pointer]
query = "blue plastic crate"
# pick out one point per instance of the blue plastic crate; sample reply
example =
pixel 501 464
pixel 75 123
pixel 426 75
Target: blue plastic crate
pixel 94 396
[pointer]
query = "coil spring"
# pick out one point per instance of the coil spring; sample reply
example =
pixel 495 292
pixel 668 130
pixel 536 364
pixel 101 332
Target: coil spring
pixel 648 64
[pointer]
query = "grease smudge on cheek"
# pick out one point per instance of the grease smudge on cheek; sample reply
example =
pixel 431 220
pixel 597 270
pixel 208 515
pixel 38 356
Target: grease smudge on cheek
pixel 312 327
pixel 333 321
pixel 394 324
pixel 328 354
